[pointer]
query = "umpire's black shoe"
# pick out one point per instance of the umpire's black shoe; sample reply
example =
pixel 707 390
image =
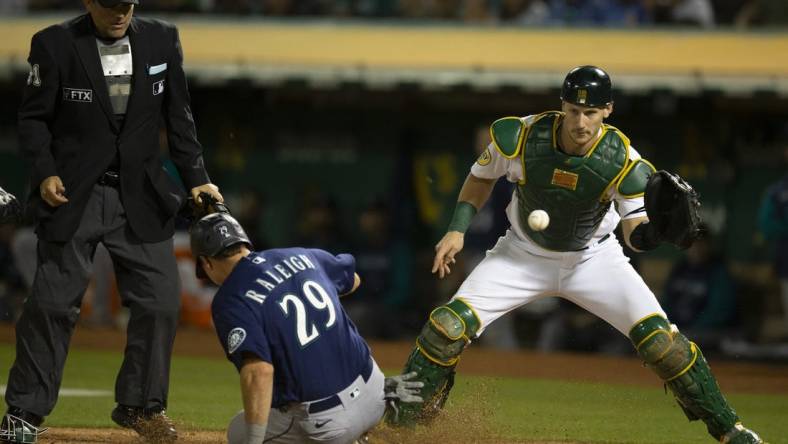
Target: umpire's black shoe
pixel 153 425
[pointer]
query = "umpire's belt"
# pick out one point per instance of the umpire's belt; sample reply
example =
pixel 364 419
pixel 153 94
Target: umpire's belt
pixel 110 179
pixel 333 400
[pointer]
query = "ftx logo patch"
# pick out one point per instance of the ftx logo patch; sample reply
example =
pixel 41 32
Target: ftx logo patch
pixel 78 95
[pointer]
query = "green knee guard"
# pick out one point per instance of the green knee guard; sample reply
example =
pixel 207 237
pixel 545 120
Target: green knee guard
pixel 448 331
pixel 685 371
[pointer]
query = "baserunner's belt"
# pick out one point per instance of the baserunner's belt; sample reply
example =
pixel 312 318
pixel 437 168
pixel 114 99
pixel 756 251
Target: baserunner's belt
pixel 334 400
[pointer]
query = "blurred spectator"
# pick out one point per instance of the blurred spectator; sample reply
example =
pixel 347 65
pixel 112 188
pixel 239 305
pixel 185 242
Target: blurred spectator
pixel 41 5
pixel 477 11
pixel 524 12
pixel 319 224
pixel 682 12
pixel 13 6
pixel 700 294
pixel 384 264
pixel 372 8
pixel 597 12
pixel 773 223
pixel 249 209
pixel 763 12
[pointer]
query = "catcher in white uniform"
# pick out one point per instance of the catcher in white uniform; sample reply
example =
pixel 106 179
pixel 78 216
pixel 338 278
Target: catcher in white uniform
pixel 588 178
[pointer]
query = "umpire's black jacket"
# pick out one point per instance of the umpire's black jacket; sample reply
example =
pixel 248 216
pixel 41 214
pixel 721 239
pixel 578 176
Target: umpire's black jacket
pixel 67 127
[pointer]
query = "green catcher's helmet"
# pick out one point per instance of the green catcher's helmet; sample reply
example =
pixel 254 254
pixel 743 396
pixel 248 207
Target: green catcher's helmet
pixel 587 86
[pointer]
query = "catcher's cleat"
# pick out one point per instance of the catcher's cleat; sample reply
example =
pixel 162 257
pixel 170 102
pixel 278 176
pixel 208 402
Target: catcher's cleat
pixel 741 435
pixel 152 425
pixel 20 427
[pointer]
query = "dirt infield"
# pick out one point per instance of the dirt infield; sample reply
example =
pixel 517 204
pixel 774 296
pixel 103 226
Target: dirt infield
pixel 733 376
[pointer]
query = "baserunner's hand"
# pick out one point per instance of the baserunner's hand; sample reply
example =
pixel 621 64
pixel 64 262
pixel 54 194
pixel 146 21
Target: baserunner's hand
pixel 403 388
pixel 445 250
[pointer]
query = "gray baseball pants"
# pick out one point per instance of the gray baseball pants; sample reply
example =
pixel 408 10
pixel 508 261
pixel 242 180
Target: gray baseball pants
pixel 361 409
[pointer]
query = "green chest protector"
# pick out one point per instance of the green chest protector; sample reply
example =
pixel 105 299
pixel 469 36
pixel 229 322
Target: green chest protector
pixel 571 189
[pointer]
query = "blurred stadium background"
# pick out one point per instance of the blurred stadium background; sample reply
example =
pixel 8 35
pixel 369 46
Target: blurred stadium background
pixel 350 125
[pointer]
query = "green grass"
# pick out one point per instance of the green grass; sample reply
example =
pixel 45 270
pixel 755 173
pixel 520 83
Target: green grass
pixel 204 394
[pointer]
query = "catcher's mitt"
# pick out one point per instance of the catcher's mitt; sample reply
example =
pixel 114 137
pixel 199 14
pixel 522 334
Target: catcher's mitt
pixel 673 207
pixel 10 209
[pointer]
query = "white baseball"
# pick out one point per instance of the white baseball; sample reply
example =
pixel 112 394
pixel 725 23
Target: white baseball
pixel 538 220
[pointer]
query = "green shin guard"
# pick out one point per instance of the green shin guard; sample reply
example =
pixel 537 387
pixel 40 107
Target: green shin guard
pixel 685 371
pixel 443 338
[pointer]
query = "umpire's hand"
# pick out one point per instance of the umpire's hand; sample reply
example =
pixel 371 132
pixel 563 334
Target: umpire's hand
pixel 53 192
pixel 209 188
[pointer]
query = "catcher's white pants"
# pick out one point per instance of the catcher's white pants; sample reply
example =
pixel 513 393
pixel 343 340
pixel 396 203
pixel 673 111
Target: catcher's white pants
pixel 599 279
pixel 361 409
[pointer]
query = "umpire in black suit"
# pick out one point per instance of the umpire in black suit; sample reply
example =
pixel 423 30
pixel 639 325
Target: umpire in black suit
pixel 99 88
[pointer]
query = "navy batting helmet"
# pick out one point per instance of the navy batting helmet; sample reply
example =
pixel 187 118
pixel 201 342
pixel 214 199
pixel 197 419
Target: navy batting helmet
pixel 587 86
pixel 213 234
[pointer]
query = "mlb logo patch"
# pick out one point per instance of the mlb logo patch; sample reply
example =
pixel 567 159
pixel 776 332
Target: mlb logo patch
pixel 77 95
pixel 158 87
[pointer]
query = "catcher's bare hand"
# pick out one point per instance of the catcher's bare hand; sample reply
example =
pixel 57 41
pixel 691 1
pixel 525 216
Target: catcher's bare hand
pixel 209 188
pixel 53 192
pixel 445 250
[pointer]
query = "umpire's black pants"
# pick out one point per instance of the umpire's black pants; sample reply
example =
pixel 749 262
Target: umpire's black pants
pixel 148 283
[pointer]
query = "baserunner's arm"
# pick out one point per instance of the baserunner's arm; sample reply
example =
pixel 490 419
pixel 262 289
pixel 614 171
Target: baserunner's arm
pixel 257 380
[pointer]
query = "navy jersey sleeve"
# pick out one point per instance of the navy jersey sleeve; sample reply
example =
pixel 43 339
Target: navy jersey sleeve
pixel 240 329
pixel 341 269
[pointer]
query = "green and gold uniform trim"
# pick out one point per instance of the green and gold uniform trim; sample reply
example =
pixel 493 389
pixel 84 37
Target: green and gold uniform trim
pixel 694 351
pixel 451 363
pixel 574 189
pixel 449 329
pixel 507 135
pixel 625 141
pixel 528 132
pixel 473 311
pixel 680 363
pixel 633 181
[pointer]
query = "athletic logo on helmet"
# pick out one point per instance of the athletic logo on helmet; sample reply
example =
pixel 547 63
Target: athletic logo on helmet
pixel 582 96
pixel 235 339
pixel 223 231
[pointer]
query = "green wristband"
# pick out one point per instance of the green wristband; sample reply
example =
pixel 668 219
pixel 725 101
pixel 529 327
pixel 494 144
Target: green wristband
pixel 463 214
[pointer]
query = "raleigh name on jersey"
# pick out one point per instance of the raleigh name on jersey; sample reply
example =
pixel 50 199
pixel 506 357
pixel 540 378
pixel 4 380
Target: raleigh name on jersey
pixel 282 306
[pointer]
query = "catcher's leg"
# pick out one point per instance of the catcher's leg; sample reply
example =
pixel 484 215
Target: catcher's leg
pixel 448 331
pixel 682 366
